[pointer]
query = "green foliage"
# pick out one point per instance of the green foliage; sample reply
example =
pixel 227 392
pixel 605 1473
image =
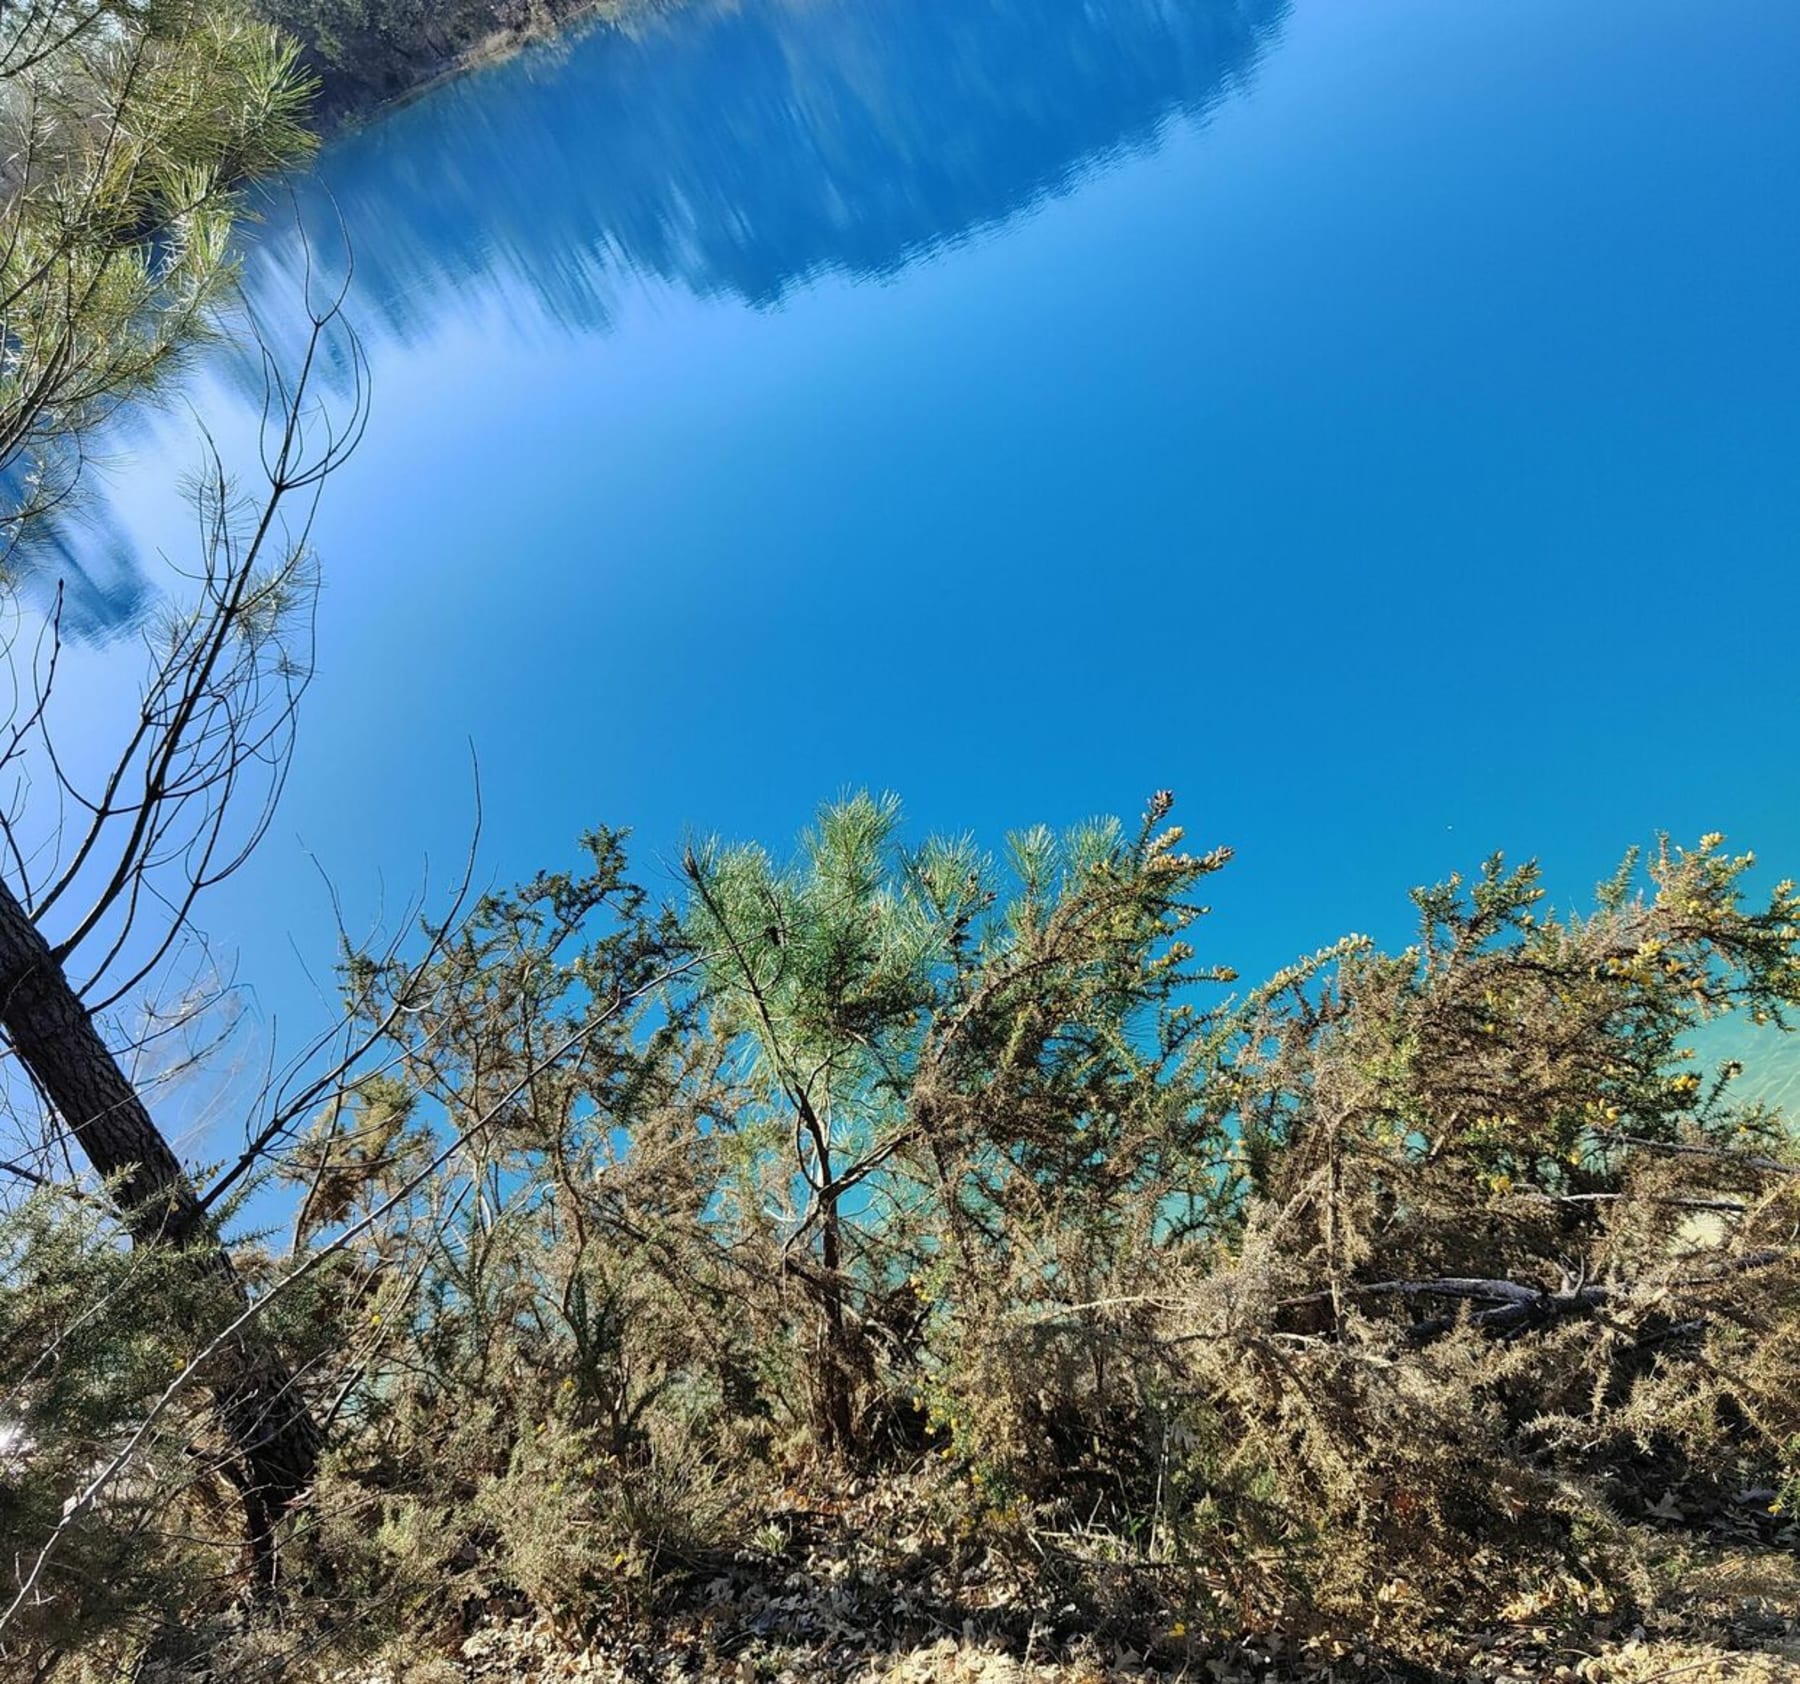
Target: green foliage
pixel 982 1072
pixel 128 132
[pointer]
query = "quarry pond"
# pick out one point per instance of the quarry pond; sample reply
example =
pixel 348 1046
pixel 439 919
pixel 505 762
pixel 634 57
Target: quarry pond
pixel 1334 414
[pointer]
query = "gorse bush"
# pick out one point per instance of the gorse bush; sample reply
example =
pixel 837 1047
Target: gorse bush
pixel 1370 1301
pixel 93 1337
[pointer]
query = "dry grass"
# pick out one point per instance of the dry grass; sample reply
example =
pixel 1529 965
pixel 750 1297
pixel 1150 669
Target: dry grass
pixel 1650 1663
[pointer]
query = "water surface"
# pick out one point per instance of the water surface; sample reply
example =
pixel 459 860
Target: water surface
pixel 1378 423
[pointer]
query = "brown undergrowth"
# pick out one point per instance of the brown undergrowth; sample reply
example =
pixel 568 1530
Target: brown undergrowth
pixel 858 1595
pixel 899 1247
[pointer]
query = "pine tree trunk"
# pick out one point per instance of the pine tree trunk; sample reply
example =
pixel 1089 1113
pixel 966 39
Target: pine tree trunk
pixel 263 1415
pixel 836 1379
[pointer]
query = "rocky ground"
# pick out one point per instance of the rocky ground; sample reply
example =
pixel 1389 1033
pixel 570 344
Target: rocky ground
pixel 527 1656
pixel 1736 1621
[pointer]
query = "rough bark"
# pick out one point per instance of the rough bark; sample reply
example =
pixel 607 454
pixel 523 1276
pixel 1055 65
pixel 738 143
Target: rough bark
pixel 835 1377
pixel 261 1410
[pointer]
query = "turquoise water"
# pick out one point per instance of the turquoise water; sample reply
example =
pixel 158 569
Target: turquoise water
pixel 1378 423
